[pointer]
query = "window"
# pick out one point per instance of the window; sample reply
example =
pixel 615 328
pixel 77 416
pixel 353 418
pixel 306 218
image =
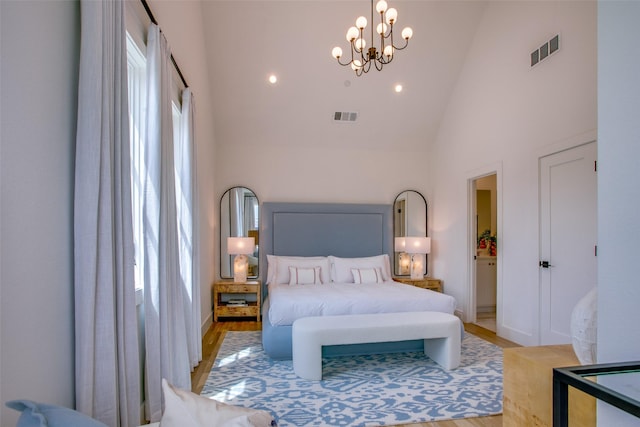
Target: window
pixel 137 80
pixel 137 93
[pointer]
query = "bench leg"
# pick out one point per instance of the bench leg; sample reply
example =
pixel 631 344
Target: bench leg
pixel 307 359
pixel 444 351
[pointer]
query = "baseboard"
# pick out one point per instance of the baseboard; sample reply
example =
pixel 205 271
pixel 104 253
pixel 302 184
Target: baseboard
pixel 486 309
pixel 207 323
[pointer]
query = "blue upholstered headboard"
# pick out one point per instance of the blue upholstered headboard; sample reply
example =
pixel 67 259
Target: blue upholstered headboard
pixel 321 229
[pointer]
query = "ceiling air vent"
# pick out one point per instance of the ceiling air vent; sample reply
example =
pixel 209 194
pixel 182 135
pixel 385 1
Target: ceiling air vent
pixel 344 117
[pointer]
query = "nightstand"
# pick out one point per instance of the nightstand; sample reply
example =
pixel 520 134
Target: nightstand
pixel 425 282
pixel 237 291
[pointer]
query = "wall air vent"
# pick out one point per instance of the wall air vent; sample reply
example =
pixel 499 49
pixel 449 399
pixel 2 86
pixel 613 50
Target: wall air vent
pixel 548 48
pixel 345 117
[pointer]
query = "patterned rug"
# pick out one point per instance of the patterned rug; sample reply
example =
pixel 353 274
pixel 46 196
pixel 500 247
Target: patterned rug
pixel 373 390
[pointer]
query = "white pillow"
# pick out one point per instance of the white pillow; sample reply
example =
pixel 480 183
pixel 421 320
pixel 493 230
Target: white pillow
pixel 367 275
pixel 283 263
pixel 341 271
pixel 186 409
pixel 304 276
pixel 272 265
pixel 271 268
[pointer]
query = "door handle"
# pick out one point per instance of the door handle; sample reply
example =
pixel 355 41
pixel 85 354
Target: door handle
pixel 545 264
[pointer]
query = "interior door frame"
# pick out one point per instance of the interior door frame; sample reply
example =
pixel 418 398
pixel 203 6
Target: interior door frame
pixel 544 241
pixel 470 314
pixel 547 150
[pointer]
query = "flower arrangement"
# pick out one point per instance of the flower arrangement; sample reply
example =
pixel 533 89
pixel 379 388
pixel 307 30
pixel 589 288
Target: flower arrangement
pixel 488 243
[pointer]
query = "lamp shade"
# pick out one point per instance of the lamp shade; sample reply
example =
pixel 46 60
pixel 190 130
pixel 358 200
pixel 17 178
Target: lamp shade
pixel 400 244
pixel 240 245
pixel 417 245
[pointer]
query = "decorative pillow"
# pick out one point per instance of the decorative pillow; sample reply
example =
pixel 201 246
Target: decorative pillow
pixel 283 263
pixel 271 268
pixel 186 409
pixel 341 270
pixel 42 415
pixel 304 276
pixel 367 275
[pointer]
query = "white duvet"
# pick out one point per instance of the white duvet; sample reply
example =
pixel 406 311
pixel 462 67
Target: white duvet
pixel 288 303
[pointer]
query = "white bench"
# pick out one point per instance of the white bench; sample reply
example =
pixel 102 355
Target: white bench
pixel 441 333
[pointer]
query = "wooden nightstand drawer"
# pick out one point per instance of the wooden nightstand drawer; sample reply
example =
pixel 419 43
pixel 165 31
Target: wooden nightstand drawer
pixel 248 311
pixel 425 283
pixel 237 291
pixel 233 288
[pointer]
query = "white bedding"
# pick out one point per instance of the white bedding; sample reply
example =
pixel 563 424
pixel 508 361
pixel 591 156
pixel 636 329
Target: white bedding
pixel 288 303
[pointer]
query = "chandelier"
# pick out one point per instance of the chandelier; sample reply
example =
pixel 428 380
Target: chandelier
pixel 361 56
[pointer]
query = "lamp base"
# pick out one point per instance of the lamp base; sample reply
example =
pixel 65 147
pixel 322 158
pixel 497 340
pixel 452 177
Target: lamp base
pixel 240 264
pixel 417 271
pixel 404 263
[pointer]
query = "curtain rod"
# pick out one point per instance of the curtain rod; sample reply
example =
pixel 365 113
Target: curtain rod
pixel 175 64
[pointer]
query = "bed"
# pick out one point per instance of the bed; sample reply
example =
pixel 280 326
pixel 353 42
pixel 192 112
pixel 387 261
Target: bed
pixel 315 253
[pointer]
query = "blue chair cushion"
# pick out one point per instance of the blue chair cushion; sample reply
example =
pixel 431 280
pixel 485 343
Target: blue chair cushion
pixel 42 415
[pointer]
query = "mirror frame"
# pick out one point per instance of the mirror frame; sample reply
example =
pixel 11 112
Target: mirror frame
pixel 223 237
pixel 396 270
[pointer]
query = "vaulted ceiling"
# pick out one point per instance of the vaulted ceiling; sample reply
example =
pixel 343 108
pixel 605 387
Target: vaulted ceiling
pixel 249 40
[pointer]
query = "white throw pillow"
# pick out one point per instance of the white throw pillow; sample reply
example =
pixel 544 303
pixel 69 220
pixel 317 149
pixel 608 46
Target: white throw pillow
pixel 186 409
pixel 341 267
pixel 304 276
pixel 283 263
pixel 367 275
pixel 271 268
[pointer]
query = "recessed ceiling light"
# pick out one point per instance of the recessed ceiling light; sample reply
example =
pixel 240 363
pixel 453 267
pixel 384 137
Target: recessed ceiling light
pixel 273 79
pixel 398 88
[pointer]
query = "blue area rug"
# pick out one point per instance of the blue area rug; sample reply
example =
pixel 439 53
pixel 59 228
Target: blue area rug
pixel 373 390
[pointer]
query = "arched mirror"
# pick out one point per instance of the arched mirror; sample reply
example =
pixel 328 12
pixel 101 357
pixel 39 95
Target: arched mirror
pixel 239 217
pixel 409 220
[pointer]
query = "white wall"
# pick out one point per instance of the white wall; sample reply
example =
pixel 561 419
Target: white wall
pixel 40 43
pixel 618 189
pixel 503 116
pixel 40 46
pixel 340 175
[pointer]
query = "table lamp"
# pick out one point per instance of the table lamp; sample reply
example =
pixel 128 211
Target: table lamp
pixel 416 247
pixel 240 247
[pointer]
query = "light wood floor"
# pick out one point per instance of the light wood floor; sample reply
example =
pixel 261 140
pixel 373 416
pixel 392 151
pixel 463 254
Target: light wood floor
pixel 214 336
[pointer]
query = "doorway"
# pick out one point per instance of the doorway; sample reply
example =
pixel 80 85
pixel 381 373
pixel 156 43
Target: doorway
pixel 485 255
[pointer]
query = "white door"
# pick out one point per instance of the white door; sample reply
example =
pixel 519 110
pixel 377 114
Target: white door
pixel 568 197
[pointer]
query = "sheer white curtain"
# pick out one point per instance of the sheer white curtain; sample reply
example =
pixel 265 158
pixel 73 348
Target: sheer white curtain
pixel 188 230
pixel 107 359
pixel 164 297
pixel 186 195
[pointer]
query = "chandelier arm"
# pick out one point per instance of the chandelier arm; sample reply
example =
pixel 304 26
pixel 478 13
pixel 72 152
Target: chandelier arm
pixel 406 43
pixel 345 64
pixel 367 66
